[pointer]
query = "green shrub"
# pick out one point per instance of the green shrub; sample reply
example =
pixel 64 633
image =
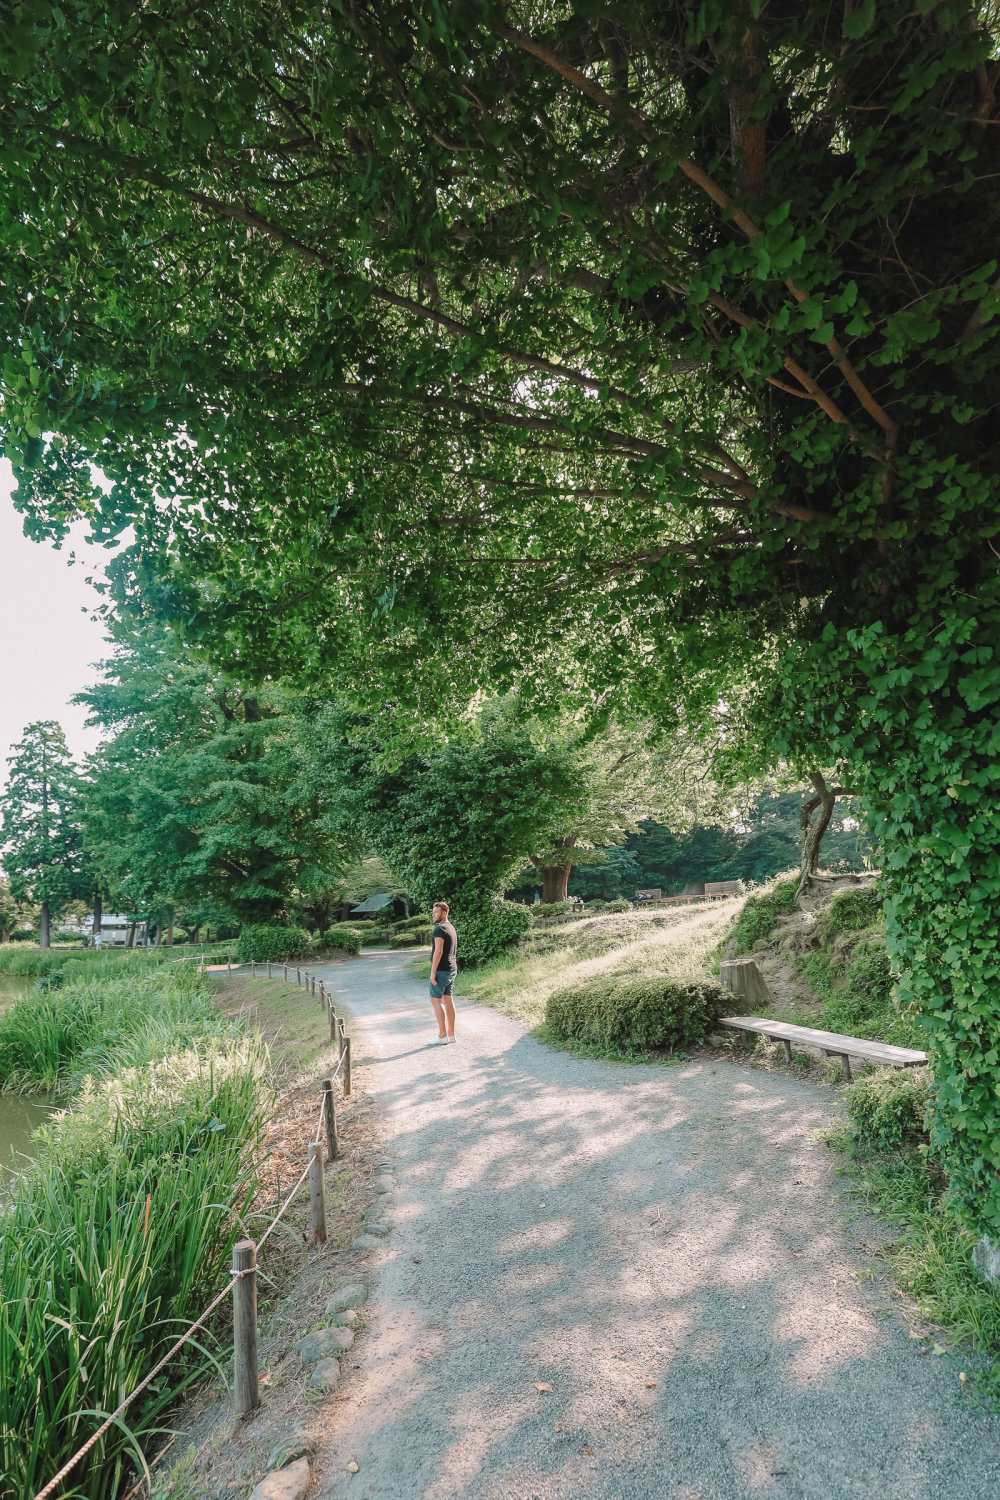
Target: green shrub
pixel 23 935
pixel 553 908
pixel 402 940
pixel 410 924
pixel 68 936
pixel 485 932
pixel 627 1015
pixel 343 939
pixel 852 911
pixel 262 943
pixel 888 1109
pixel 761 915
pixel 619 904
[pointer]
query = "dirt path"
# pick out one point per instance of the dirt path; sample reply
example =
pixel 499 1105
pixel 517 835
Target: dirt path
pixel 668 1249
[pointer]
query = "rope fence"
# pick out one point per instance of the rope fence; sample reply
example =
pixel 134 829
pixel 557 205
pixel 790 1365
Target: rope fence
pixel 243 1281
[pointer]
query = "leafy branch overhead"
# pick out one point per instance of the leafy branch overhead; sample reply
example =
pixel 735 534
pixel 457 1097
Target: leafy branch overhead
pixel 648 351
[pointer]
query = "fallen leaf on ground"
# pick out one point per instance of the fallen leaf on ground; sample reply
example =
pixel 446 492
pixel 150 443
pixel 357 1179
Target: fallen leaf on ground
pixel 353 1466
pixel 651 1385
pixel 962 1377
pixel 588 1450
pixel 542 1385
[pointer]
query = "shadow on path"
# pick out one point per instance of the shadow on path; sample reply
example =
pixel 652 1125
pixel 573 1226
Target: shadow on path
pixel 667 1248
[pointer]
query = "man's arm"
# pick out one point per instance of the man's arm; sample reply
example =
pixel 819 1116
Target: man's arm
pixel 436 958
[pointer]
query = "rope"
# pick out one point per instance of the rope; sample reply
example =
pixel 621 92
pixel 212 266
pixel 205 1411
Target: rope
pixel 123 1406
pixel 281 1211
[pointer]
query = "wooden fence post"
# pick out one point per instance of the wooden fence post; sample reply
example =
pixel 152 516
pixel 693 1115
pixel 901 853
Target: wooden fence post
pixel 347 1067
pixel 317 1199
pixel 330 1119
pixel 246 1394
pixel 285 967
pixel 253 968
pixel 333 1023
pixel 269 968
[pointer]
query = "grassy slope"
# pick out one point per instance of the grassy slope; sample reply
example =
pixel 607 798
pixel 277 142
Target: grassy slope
pixel 678 942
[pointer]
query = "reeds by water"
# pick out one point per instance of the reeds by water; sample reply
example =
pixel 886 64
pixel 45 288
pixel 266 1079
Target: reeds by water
pixel 121 1231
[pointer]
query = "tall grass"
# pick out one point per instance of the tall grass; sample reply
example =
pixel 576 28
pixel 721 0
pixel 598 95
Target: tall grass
pixel 23 962
pixel 119 1233
pixel 50 1041
pixel 117 1236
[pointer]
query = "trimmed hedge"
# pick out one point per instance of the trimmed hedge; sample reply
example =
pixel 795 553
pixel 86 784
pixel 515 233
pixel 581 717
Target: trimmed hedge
pixel 554 908
pixel 484 932
pixel 629 1015
pixel 344 939
pixel 413 937
pixel 261 943
pixel 888 1109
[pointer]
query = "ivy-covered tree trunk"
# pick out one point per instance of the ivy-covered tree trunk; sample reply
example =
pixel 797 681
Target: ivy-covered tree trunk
pixel 918 719
pixel 555 882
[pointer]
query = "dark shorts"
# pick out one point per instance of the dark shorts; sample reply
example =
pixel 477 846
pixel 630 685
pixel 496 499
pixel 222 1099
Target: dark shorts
pixel 445 985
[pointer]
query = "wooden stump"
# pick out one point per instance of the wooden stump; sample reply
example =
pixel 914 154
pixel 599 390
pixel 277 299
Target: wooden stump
pixel 741 976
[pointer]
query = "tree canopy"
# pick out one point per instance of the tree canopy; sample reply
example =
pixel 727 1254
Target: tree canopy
pixel 668 332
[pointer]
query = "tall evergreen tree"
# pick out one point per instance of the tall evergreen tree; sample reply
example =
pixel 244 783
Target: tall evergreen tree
pixel 203 792
pixel 40 823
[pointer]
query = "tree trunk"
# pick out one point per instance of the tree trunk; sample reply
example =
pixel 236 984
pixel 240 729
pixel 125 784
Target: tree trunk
pixel 555 882
pixel 43 926
pixel 98 914
pixel 130 937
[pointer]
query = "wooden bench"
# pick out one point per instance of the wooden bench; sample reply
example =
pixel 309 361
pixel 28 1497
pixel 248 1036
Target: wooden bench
pixel 830 1042
pixel 716 889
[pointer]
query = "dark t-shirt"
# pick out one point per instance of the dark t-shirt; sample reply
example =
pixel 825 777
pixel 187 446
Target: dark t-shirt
pixel 449 953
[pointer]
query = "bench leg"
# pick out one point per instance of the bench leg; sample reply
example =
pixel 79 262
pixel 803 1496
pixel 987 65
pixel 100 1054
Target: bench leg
pixel 788 1048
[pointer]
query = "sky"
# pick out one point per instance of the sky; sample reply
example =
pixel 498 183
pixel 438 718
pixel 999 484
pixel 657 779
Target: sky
pixel 48 640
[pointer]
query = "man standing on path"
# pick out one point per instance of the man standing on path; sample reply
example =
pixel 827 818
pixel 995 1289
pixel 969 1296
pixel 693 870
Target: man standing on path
pixel 444 968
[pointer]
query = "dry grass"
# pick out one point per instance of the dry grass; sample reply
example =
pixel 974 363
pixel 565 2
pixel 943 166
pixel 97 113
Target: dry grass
pixel 678 943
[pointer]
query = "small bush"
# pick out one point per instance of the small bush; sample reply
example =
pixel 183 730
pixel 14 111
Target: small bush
pixel 553 908
pixel 888 1109
pixel 261 943
pixel 402 940
pixel 852 911
pixel 343 939
pixel 485 932
pixel 628 1015
pixel 22 935
pixel 409 924
pixel 619 904
pixel 68 936
pixel 761 915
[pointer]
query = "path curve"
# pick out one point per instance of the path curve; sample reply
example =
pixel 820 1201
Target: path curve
pixel 600 1227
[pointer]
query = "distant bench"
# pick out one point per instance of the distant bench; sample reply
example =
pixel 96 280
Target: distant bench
pixel 830 1042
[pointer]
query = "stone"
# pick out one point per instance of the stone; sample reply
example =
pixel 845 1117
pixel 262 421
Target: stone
pixel 366 1242
pixel 320 1345
pixel 346 1319
pixel 284 1484
pixel 986 1259
pixel 285 1452
pixel 381 1227
pixel 325 1374
pixel 351 1295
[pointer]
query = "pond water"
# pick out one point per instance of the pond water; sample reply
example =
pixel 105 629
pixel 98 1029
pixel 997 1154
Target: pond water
pixel 18 1115
pixel 18 1118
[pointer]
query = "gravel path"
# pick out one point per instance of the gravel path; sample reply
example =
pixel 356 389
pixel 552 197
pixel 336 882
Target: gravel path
pixel 668 1248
